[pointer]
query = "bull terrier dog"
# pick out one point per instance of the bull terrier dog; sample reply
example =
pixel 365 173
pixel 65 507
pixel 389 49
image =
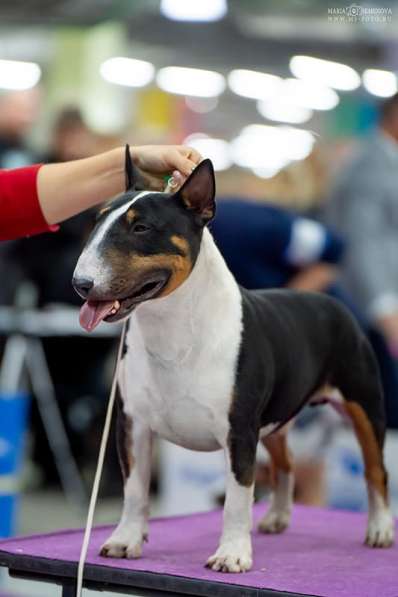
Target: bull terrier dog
pixel 209 365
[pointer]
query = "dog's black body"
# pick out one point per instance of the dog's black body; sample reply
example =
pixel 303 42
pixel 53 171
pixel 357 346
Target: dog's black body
pixel 293 344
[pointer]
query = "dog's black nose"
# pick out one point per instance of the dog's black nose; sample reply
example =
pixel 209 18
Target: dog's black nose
pixel 82 286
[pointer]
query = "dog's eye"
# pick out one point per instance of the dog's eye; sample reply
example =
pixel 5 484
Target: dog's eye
pixel 140 228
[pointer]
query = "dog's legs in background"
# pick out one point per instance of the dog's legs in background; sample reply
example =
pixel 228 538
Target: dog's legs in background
pixel 234 553
pixel 370 434
pixel 362 394
pixel 277 518
pixel 134 442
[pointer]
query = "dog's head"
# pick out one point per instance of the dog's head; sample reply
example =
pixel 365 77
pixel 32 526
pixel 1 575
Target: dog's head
pixel 143 247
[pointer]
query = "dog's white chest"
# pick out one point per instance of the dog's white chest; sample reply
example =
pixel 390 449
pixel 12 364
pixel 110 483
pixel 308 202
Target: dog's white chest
pixel 178 374
pixel 184 403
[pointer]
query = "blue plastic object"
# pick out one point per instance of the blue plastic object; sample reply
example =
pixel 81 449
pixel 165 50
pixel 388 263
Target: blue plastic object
pixel 13 421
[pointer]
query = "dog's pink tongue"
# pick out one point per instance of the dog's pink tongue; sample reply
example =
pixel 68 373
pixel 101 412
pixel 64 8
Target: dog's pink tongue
pixel 92 312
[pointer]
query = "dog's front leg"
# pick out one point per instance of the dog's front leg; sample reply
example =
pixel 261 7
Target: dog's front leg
pixel 235 550
pixel 134 447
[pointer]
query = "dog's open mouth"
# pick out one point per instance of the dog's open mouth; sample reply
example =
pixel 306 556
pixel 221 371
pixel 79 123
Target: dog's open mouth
pixel 93 312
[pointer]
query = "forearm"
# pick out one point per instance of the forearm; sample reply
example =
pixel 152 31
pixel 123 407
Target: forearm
pixel 315 278
pixel 68 188
pixel 20 210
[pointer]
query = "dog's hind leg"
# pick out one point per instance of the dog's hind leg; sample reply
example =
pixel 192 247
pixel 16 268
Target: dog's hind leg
pixel 134 442
pixel 363 402
pixel 277 518
pixel 380 531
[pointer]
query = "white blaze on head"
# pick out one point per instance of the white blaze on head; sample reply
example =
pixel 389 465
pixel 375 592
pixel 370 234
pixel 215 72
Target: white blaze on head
pixel 91 263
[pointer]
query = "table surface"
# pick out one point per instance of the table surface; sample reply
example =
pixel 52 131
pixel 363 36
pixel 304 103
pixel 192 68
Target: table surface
pixel 321 554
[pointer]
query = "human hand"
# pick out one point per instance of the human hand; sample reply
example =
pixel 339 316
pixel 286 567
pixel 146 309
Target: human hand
pixel 314 278
pixel 157 161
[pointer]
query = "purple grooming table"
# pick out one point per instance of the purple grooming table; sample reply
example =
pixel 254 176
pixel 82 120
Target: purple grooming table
pixel 321 554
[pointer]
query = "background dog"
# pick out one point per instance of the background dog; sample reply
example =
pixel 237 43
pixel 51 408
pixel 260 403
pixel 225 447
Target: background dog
pixel 208 365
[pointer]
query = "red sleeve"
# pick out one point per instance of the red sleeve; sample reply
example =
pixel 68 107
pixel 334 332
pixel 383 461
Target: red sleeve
pixel 20 211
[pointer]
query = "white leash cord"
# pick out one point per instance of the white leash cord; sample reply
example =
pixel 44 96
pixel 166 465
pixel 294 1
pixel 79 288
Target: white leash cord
pixel 170 188
pixel 98 472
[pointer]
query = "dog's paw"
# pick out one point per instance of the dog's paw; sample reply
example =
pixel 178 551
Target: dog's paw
pixel 121 547
pixel 274 521
pixel 380 532
pixel 232 556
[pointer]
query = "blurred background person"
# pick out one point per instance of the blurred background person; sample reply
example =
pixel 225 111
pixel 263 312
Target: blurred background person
pixel 71 138
pixel 19 111
pixel 363 206
pixel 266 246
pixel 47 261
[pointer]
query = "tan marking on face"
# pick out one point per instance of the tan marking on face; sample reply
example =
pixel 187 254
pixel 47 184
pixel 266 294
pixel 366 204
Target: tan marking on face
pixel 123 267
pixel 131 215
pixel 181 243
pixel 372 451
pixel 180 267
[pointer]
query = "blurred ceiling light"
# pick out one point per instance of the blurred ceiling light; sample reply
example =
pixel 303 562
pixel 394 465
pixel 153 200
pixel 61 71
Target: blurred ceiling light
pixel 201 105
pixel 18 75
pixel 268 147
pixel 298 142
pixel 273 109
pixel 325 72
pixel 253 84
pixel 267 172
pixel 382 83
pixel 287 138
pixel 217 150
pixel 251 153
pixel 127 71
pixel 194 10
pixel 190 81
pixel 308 95
pixel 194 136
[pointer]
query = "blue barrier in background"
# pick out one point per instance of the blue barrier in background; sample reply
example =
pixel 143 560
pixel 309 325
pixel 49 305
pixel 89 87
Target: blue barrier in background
pixel 13 422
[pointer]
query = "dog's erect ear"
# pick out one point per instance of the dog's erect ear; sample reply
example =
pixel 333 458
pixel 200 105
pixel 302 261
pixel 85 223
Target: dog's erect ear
pixel 134 180
pixel 198 191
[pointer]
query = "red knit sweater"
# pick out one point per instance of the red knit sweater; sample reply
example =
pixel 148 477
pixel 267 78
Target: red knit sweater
pixel 20 211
